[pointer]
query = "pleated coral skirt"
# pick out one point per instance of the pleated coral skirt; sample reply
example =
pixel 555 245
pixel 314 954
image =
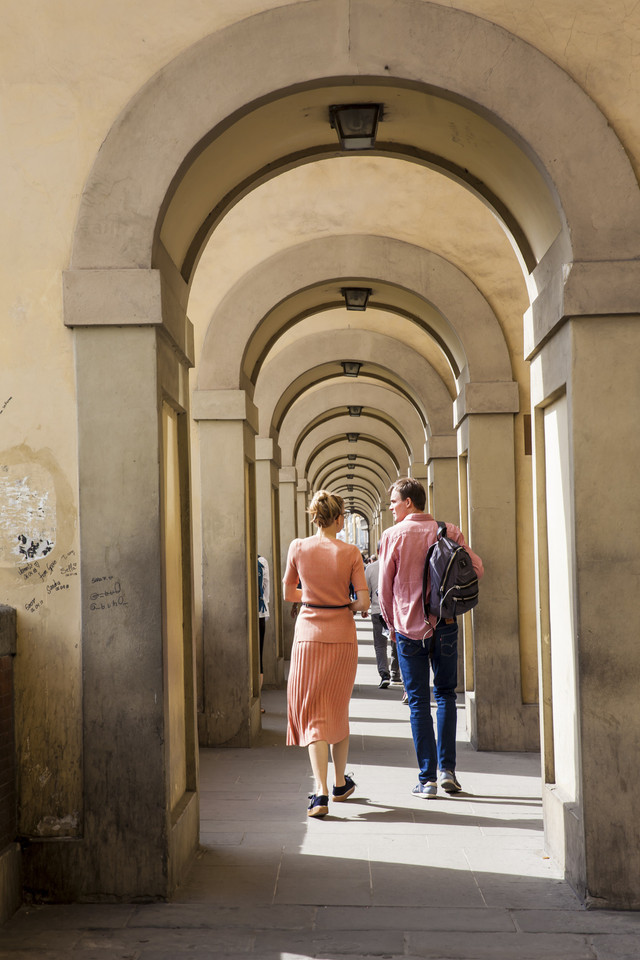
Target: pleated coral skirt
pixel 319 690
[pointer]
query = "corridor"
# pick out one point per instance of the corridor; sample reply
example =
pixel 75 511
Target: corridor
pixel 384 875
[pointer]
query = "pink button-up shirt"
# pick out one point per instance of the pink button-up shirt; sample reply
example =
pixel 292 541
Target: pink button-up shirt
pixel 402 552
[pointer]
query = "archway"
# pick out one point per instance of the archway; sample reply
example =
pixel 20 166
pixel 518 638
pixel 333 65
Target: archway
pixel 126 299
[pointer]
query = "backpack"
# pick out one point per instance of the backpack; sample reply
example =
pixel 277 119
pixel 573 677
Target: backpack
pixel 449 574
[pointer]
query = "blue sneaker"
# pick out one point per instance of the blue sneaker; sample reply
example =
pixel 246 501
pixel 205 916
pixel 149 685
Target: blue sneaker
pixel 319 806
pixel 448 782
pixel 427 790
pixel 344 792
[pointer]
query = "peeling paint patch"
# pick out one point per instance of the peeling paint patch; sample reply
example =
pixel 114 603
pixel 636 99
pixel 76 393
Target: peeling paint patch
pixel 27 514
pixel 66 826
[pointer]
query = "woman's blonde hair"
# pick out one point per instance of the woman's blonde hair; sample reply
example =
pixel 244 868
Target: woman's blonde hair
pixel 325 508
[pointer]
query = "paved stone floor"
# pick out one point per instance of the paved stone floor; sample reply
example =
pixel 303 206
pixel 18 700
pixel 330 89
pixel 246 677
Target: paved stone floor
pixel 384 875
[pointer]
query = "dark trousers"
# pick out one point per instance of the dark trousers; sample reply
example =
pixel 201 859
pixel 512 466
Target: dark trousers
pixel 380 647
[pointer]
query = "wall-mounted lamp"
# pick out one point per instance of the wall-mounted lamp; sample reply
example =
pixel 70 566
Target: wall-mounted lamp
pixel 350 476
pixel 354 411
pixel 352 456
pixel 356 298
pixel 351 368
pixel 356 124
pixel 350 488
pixel 353 437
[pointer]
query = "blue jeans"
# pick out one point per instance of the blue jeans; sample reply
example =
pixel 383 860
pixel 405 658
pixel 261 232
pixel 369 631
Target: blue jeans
pixel 414 656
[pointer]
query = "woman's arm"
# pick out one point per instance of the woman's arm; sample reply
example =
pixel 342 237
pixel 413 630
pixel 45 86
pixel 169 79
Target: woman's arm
pixel 361 602
pixel 292 594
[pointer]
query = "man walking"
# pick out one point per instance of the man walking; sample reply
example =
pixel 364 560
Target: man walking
pixel 402 552
pixel 380 630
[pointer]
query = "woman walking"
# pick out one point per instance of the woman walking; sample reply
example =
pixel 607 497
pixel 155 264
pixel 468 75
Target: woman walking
pixel 325 652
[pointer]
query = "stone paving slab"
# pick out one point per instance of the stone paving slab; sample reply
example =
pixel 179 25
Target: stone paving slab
pixel 624 947
pixel 498 946
pixel 579 921
pixel 414 918
pixel 208 915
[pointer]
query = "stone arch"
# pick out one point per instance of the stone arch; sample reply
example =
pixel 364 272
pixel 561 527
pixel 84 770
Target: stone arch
pixel 398 410
pixel 158 135
pixel 452 309
pixel 289 372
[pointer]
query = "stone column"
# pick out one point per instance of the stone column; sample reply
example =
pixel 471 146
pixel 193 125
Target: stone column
pixel 498 718
pixel 442 479
pixel 288 480
pixel 228 423
pixel 585 399
pixel 138 825
pixel 302 502
pixel 268 529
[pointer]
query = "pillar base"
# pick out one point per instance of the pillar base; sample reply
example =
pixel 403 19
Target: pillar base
pixel 10 881
pixel 210 733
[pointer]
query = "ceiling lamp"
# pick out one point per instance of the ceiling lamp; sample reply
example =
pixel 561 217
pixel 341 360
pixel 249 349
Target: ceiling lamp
pixel 356 124
pixel 352 456
pixel 356 298
pixel 351 368
pixel 354 411
pixel 353 437
pixel 349 488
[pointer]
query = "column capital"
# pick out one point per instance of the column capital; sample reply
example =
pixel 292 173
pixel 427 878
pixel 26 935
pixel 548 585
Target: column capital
pixel 268 449
pixel 581 289
pixel 442 447
pixel 224 405
pixel 127 298
pixel 288 475
pixel 496 396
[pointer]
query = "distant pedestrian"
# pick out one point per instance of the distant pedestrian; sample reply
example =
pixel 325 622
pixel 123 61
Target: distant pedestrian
pixel 263 610
pixel 381 634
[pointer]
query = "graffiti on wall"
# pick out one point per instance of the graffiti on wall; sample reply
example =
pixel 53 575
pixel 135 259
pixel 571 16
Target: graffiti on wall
pixel 27 514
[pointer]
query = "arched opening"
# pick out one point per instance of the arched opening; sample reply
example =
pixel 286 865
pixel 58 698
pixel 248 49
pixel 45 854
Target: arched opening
pixel 128 290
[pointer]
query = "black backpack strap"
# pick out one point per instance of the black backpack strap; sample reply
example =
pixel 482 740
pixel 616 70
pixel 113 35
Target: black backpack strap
pixel 442 528
pixel 425 576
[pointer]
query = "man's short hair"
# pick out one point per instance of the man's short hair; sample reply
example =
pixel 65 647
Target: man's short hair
pixel 411 488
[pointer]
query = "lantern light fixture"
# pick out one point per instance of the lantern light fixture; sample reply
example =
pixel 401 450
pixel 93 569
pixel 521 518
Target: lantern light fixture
pixel 350 368
pixel 356 298
pixel 353 437
pixel 355 411
pixel 352 456
pixel 356 124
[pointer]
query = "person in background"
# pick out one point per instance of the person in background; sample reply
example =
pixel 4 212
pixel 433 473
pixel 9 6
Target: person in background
pixel 324 656
pixel 380 630
pixel 402 552
pixel 263 609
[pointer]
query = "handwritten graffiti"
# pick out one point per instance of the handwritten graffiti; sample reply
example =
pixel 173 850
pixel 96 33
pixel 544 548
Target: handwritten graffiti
pixel 33 605
pixel 112 595
pixel 5 404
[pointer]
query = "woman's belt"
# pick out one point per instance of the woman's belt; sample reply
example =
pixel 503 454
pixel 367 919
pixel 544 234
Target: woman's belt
pixel 326 606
